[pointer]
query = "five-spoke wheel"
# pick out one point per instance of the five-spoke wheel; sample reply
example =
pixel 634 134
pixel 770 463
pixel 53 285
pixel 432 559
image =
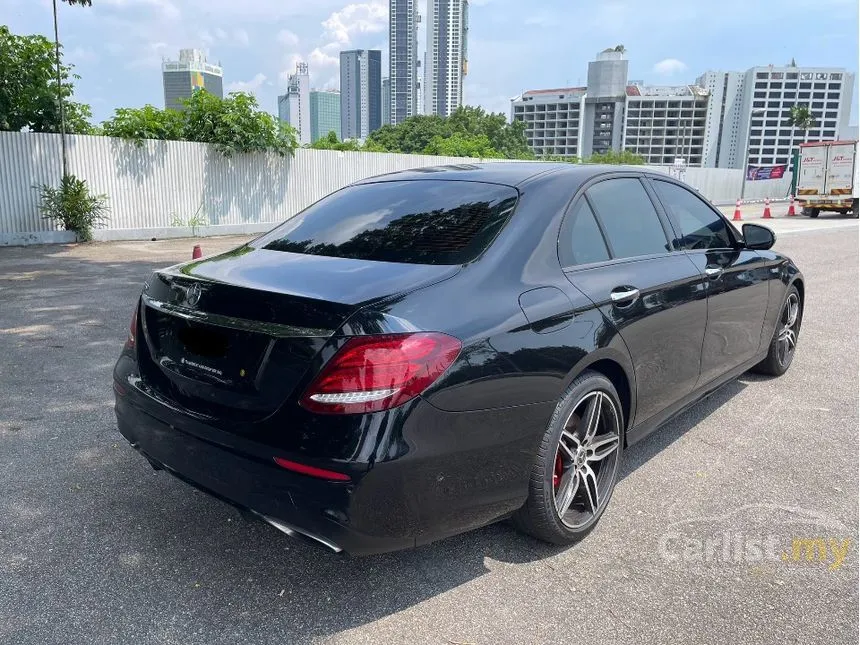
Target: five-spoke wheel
pixel 586 453
pixel 576 466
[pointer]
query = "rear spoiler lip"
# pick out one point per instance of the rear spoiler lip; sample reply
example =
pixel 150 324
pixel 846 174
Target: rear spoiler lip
pixel 278 330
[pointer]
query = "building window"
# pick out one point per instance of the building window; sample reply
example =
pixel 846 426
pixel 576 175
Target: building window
pixel 836 77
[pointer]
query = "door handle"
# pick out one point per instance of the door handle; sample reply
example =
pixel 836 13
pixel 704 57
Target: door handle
pixel 623 294
pixel 713 272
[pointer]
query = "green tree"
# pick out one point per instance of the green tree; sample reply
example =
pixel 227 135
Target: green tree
pixel 801 118
pixel 462 145
pixel 331 142
pixel 623 157
pixel 148 122
pixel 232 125
pixel 415 134
pixel 29 88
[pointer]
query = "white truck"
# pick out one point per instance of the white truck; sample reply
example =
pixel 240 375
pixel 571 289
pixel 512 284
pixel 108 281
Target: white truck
pixel 827 177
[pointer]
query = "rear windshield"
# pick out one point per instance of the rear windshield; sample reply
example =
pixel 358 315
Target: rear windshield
pixel 416 222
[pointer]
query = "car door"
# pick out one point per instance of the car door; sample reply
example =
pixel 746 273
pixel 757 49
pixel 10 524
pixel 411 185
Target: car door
pixel 737 279
pixel 614 247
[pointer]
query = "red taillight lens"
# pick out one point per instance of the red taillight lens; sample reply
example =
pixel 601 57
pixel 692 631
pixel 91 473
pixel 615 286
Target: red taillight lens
pixel 372 373
pixel 132 328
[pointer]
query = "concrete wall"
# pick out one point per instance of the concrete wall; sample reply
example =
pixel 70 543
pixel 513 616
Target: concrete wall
pixel 150 187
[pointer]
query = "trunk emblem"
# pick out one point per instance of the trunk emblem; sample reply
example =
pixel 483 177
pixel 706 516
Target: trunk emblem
pixel 192 295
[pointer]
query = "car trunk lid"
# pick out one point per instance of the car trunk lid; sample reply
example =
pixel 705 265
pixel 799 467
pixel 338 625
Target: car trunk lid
pixel 232 336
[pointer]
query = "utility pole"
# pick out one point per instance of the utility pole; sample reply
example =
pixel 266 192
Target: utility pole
pixel 60 93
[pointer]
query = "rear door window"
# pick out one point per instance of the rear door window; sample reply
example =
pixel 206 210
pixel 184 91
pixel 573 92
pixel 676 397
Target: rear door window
pixel 415 222
pixel 581 241
pixel 628 217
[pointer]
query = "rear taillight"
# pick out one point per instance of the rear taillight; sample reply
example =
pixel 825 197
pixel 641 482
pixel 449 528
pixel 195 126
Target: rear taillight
pixel 372 373
pixel 132 328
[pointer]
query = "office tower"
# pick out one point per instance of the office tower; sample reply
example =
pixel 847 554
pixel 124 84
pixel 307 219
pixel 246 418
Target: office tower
pixel 386 101
pixel 360 92
pixel 294 107
pixel 325 113
pixel 191 72
pixel 403 20
pixel 446 61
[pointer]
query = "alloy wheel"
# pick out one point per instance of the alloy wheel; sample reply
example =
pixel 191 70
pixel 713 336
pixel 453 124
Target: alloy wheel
pixel 787 337
pixel 586 459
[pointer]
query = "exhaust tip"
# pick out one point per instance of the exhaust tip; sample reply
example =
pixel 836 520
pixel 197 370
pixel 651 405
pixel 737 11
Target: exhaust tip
pixel 297 533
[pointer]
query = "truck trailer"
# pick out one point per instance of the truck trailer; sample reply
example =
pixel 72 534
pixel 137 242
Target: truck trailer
pixel 827 178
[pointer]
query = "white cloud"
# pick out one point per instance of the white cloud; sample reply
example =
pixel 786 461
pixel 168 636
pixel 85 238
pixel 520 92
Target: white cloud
pixel 363 18
pixel 318 58
pixel 81 55
pixel 288 38
pixel 241 37
pixel 252 86
pixel 670 66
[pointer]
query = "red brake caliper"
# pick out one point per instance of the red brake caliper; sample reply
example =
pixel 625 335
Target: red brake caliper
pixel 556 471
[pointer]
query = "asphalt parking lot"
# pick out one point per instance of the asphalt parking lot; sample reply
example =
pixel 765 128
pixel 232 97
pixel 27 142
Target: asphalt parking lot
pixel 697 545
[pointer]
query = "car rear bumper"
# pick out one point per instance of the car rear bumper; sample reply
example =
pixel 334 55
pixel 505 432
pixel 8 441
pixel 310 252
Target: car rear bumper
pixel 455 477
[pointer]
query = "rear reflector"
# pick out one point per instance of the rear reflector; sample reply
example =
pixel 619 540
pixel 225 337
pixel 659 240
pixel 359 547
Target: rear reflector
pixel 373 373
pixel 304 469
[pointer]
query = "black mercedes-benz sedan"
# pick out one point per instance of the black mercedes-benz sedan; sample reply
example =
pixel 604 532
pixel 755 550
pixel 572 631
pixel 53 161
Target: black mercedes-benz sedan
pixel 425 352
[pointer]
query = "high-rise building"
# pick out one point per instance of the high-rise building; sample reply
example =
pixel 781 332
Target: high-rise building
pixel 446 61
pixel 403 19
pixel 360 92
pixel 191 72
pixel 764 100
pixel 723 140
pixel 325 113
pixel 666 123
pixel 294 107
pixel 386 101
pixel 705 124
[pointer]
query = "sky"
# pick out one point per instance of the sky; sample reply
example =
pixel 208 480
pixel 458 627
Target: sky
pixel 117 46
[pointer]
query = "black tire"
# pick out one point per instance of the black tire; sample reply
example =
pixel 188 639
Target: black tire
pixel 814 212
pixel 778 360
pixel 540 517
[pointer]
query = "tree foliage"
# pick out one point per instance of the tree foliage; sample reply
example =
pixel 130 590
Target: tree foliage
pixel 28 87
pixel 232 124
pixel 148 122
pixel 800 117
pixel 331 142
pixel 613 157
pixel 616 157
pixel 424 134
pixel 462 145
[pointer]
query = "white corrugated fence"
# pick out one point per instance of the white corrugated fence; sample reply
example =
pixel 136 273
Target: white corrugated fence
pixel 153 187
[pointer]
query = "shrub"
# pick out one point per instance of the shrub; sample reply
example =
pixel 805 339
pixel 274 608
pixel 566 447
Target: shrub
pixel 72 205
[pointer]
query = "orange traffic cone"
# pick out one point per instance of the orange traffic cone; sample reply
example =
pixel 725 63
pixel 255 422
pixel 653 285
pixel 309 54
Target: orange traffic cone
pixel 737 216
pixel 196 253
pixel 766 214
pixel 791 212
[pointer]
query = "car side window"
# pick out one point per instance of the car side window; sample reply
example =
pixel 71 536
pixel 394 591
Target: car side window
pixel 628 217
pixel 581 241
pixel 698 225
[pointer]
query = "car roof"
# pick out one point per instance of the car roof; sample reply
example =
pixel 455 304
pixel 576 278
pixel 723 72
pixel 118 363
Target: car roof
pixel 513 173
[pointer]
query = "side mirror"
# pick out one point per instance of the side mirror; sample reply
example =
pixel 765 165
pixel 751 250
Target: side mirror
pixel 759 238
